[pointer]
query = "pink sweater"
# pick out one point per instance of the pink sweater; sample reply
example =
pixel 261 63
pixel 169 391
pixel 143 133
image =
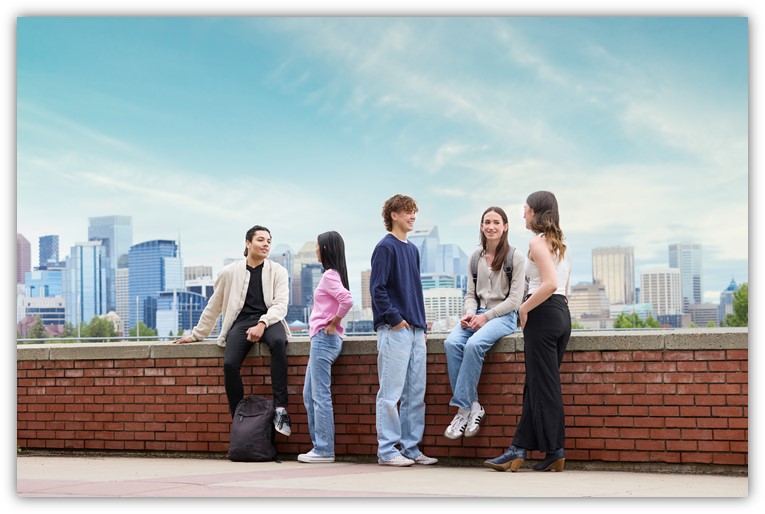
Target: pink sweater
pixel 330 299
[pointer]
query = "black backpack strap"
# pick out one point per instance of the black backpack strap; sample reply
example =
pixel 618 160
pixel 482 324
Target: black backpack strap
pixel 509 268
pixel 474 271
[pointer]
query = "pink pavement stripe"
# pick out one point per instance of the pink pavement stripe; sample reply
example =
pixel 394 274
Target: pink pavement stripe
pixel 205 485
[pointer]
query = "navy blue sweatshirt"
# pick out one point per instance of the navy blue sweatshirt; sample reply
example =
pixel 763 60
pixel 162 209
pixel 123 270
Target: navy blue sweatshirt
pixel 395 285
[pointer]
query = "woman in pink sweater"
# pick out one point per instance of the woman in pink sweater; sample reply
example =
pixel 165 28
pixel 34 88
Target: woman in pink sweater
pixel 331 302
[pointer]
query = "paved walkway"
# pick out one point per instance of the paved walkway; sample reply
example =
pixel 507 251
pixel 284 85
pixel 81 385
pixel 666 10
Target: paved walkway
pixel 54 476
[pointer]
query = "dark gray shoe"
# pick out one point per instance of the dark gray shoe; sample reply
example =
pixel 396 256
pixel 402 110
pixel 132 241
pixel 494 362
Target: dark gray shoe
pixel 512 459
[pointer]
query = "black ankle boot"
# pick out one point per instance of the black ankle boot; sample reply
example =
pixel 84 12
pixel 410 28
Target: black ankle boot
pixel 553 461
pixel 512 459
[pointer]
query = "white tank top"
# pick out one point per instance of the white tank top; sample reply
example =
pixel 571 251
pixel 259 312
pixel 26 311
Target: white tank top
pixel 562 270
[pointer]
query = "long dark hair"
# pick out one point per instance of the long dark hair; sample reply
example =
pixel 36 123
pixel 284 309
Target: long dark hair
pixel 547 220
pixel 332 254
pixel 503 247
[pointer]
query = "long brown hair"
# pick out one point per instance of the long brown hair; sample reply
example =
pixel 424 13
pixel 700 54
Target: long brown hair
pixel 503 247
pixel 546 220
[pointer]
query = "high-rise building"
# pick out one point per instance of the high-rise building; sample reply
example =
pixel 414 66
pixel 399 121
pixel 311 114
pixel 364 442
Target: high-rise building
pixel 443 303
pixel 451 259
pixel 197 272
pixel 726 299
pixel 426 241
pixel 309 279
pixel 702 314
pixel 44 283
pixel 366 294
pixel 178 312
pixel 687 257
pixel 155 267
pixel 283 254
pixel 48 251
pixel 438 280
pixel 661 288
pixel 50 310
pixel 122 290
pixel 306 255
pixel 589 306
pixel 614 267
pixel 84 285
pixel 23 257
pixel 116 235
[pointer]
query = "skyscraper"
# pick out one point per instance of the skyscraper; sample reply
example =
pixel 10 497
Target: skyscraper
pixel 116 235
pixel 366 294
pixel 122 289
pixel 614 267
pixel 426 241
pixel 589 306
pixel 85 282
pixel 309 279
pixel 155 266
pixel 23 257
pixel 726 299
pixel 48 250
pixel 687 257
pixel 660 287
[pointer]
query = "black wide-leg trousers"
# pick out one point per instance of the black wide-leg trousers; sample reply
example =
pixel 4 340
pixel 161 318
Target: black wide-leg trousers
pixel 237 348
pixel 545 337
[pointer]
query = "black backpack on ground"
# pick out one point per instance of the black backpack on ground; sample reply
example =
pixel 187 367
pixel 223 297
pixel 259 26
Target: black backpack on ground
pixel 252 431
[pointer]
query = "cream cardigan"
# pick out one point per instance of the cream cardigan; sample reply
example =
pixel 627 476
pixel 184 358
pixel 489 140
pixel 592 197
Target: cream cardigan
pixel 230 291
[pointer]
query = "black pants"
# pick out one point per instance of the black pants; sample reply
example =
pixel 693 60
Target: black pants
pixel 545 337
pixel 237 348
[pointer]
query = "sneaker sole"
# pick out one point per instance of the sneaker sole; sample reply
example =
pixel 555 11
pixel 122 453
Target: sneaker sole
pixel 314 460
pixel 396 464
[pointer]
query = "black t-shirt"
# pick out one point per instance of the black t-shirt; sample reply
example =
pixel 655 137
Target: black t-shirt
pixel 254 304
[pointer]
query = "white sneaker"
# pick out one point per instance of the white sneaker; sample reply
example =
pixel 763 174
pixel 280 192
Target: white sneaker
pixel 425 460
pixel 474 422
pixel 456 427
pixel 315 457
pixel 398 460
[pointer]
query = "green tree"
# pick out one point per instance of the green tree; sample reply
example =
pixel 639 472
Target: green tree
pixel 37 330
pixel 711 324
pixel 740 316
pixel 576 325
pixel 98 327
pixel 624 320
pixel 650 322
pixel 69 330
pixel 144 331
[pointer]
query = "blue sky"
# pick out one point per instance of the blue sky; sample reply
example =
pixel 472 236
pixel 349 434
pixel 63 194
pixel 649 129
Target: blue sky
pixel 202 127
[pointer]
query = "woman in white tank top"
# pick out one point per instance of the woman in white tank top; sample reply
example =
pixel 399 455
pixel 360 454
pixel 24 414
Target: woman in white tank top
pixel 546 323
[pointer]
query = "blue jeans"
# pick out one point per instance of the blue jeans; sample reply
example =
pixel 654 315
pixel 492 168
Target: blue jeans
pixel 401 371
pixel 465 351
pixel 317 395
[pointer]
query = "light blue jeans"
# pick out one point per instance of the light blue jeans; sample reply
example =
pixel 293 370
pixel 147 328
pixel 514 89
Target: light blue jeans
pixel 465 351
pixel 401 371
pixel 317 394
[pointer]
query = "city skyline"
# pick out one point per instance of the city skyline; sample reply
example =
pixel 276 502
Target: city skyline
pixel 201 128
pixel 357 283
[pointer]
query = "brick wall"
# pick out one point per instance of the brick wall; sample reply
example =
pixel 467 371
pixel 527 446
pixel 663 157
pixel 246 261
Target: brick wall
pixel 668 398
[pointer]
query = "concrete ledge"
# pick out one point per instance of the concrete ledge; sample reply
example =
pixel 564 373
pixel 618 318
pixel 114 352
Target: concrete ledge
pixel 581 341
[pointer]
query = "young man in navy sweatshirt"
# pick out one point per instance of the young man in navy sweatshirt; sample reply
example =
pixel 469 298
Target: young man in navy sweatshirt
pixel 399 320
